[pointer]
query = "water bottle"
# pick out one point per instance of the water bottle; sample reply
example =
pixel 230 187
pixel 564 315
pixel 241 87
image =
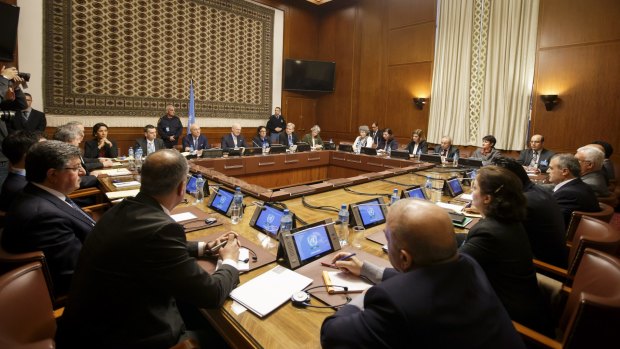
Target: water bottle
pixel 264 148
pixel 286 223
pixel 191 149
pixel 358 147
pixel 428 186
pixel 131 163
pixel 389 151
pixel 238 200
pixel 455 163
pixel 200 194
pixel 343 228
pixel 138 159
pixel 394 197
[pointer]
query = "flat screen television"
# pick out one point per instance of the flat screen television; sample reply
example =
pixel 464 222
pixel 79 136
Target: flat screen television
pixel 301 75
pixel 9 16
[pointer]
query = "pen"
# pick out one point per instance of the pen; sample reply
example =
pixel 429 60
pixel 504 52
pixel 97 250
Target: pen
pixel 345 257
pixel 329 265
pixel 218 246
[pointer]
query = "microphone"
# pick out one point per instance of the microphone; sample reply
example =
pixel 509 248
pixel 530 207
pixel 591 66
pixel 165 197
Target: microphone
pixel 253 141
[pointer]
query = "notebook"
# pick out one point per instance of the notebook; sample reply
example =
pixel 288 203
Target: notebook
pixel 268 291
pixel 335 281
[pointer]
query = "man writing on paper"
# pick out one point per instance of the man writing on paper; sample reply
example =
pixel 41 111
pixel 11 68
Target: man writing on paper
pixel 138 266
pixel 435 297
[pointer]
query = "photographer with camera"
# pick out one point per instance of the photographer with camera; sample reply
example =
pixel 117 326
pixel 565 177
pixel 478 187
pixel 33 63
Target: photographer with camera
pixel 12 99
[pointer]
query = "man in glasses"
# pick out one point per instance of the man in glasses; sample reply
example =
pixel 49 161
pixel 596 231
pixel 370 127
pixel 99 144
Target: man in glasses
pixel 43 218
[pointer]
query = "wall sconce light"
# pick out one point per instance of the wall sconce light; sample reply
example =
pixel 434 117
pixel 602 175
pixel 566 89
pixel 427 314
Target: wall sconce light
pixel 550 101
pixel 419 102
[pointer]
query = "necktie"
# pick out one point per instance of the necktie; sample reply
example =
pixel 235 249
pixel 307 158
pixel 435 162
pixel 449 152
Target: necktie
pixel 76 207
pixel 195 144
pixel 290 140
pixel 26 114
pixel 534 159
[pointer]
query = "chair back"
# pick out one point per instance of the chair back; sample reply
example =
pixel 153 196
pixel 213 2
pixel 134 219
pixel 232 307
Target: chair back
pixel 604 214
pixel 26 314
pixel 595 234
pixel 591 317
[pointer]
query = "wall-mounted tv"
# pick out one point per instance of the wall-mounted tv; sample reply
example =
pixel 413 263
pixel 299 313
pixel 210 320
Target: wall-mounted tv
pixel 9 16
pixel 302 75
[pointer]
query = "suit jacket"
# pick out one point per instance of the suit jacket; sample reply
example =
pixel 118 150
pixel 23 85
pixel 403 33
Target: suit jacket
pixel 422 147
pixel 167 127
pixel 137 262
pixel 596 181
pixel 37 220
pixel 543 158
pixel 258 142
pixel 228 143
pixel 188 141
pixel 308 139
pixel 284 139
pixel 392 145
pixel 544 225
pixel 453 150
pixel 11 187
pixel 576 196
pixel 488 158
pixel 141 143
pixel 376 136
pixel 91 149
pixel 449 305
pixel 503 251
pixel 36 121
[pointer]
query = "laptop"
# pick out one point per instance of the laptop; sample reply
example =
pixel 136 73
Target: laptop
pixel 302 146
pixel 212 153
pixel 369 151
pixel 400 154
pixel 435 159
pixel 345 147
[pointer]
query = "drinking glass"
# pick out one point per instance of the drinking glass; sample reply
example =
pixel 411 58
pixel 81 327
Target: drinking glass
pixel 358 236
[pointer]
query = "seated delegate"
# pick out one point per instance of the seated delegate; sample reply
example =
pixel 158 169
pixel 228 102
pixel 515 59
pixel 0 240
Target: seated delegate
pixel 446 148
pixel 363 140
pixel 487 152
pixel 261 140
pixel 100 146
pixel 313 138
pixel 387 143
pixel 195 140
pixel 418 144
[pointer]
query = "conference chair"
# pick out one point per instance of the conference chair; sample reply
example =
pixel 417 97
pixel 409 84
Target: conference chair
pixel 591 233
pixel 26 315
pixel 590 317
pixel 10 261
pixel 611 200
pixel 604 214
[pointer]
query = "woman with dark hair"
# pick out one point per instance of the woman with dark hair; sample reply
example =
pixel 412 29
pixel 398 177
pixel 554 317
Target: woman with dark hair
pixel 387 141
pixel 500 245
pixel 100 146
pixel 261 138
pixel 418 144
pixel 488 152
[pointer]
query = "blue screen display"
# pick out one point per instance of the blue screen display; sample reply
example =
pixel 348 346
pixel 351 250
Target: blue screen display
pixel 312 242
pixel 222 201
pixel 417 193
pixel 455 186
pixel 269 219
pixel 370 212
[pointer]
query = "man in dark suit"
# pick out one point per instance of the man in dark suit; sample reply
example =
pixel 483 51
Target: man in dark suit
pixel 150 143
pixel 15 147
pixel 43 218
pixel 73 134
pixel 536 157
pixel 169 128
pixel 434 296
pixel 28 119
pixel 288 137
pixel 446 148
pixel 275 125
pixel 195 140
pixel 234 139
pixel 138 263
pixel 375 133
pixel 570 192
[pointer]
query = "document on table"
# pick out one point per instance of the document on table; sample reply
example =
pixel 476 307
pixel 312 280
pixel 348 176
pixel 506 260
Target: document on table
pixel 115 172
pixel 335 279
pixel 126 184
pixel 113 195
pixel 453 207
pixel 266 292
pixel 183 216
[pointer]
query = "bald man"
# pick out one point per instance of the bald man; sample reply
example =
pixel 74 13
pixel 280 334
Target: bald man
pixel 169 128
pixel 234 139
pixel 195 140
pixel 434 296
pixel 536 158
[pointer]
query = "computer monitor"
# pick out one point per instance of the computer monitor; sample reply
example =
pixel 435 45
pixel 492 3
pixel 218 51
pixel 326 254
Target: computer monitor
pixel 302 146
pixel 453 187
pixel 235 151
pixel 435 159
pixel 267 218
pixel 399 154
pixel 368 151
pixel 253 151
pixel 307 244
pixel 415 192
pixel 470 162
pixel 277 149
pixel 221 201
pixel 345 147
pixel 368 213
pixel 212 153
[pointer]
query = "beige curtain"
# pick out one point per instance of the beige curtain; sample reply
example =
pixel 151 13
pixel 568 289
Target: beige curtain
pixel 510 71
pixel 450 90
pixel 483 71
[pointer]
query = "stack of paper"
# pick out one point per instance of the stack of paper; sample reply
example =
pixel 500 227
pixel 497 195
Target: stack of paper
pixel 126 184
pixel 116 172
pixel 113 195
pixel 453 207
pixel 268 291
pixel 336 281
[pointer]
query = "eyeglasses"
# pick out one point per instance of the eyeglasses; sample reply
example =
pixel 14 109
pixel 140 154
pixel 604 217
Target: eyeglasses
pixel 73 168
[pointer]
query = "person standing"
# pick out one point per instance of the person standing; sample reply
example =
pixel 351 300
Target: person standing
pixel 275 125
pixel 28 119
pixel 169 128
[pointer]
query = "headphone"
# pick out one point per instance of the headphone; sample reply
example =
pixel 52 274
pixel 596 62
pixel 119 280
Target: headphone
pixel 254 256
pixel 301 299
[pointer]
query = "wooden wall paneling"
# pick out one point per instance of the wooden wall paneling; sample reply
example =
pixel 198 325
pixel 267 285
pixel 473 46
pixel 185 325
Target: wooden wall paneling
pixel 569 22
pixel 411 44
pixel 288 178
pixel 406 12
pixel 301 112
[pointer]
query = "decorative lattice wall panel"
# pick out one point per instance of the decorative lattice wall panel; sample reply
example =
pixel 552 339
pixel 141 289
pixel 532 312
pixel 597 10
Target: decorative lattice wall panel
pixel 133 57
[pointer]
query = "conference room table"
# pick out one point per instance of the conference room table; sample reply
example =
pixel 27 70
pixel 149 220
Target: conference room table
pixel 290 326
